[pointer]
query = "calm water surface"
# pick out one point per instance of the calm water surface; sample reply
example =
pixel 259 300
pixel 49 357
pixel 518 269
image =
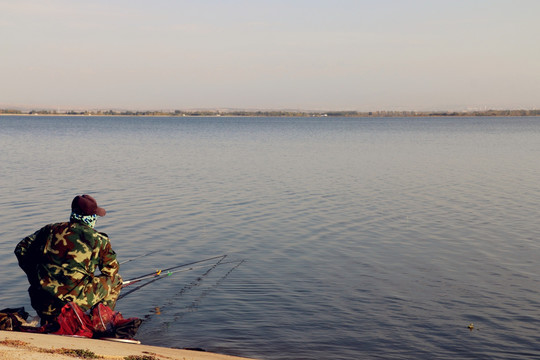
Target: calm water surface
pixel 362 238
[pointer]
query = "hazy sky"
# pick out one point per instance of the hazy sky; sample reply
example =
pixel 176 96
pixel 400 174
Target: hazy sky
pixel 270 54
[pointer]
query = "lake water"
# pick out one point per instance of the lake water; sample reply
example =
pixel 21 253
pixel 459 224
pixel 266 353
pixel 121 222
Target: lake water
pixel 362 238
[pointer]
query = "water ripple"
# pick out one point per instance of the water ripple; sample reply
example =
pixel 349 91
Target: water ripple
pixel 364 238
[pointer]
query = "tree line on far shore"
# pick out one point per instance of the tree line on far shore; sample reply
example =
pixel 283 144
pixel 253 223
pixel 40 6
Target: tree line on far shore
pixel 276 113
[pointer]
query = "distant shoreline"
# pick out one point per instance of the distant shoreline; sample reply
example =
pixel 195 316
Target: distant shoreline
pixel 271 113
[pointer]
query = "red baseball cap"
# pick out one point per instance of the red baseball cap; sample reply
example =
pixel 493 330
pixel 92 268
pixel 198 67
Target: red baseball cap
pixel 86 205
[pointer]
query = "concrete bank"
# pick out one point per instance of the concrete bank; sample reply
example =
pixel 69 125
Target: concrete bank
pixel 27 346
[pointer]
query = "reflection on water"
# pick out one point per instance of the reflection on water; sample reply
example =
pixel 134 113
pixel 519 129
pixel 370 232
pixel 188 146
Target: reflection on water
pixel 362 238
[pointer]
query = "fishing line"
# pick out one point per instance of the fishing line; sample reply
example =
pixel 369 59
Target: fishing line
pixel 138 257
pixel 195 303
pixel 196 282
pixel 184 289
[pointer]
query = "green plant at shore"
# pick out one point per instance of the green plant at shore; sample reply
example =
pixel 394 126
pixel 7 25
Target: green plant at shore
pixel 140 357
pixel 81 353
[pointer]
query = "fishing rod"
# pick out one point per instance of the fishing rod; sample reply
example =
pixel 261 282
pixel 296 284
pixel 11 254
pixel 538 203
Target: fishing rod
pixel 167 271
pixel 138 257
pixel 162 275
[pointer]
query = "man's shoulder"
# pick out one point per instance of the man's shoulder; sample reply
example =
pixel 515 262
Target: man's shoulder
pixel 57 225
pixel 51 228
pixel 87 230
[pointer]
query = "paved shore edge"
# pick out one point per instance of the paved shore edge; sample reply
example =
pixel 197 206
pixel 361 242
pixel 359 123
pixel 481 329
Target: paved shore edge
pixel 29 346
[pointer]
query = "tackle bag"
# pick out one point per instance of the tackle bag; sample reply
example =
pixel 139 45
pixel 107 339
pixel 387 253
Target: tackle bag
pixel 101 322
pixel 109 323
pixel 12 318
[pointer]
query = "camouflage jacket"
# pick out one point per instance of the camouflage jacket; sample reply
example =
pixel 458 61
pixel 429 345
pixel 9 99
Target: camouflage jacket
pixel 61 258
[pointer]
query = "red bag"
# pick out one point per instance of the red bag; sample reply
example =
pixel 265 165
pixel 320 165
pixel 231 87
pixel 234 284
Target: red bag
pixel 102 322
pixel 73 321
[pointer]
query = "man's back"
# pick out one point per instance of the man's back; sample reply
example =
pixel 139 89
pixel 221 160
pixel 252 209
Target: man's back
pixel 71 253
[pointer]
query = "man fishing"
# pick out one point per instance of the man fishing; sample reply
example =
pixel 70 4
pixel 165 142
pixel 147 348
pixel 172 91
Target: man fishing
pixel 60 261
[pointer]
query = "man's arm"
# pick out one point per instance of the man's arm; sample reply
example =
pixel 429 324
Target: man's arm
pixel 108 265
